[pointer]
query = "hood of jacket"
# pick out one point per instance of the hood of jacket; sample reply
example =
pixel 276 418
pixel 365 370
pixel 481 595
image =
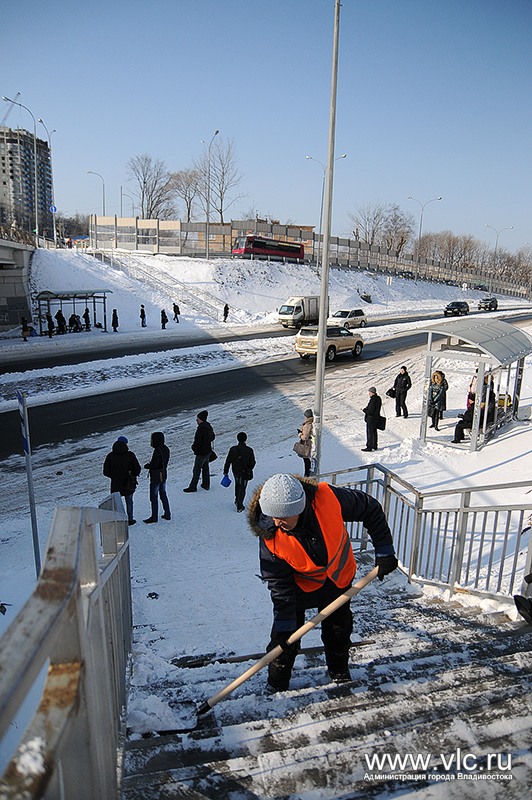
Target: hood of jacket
pixel 120 447
pixel 261 525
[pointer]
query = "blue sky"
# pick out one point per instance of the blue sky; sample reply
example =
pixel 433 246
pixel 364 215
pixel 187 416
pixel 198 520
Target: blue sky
pixel 434 98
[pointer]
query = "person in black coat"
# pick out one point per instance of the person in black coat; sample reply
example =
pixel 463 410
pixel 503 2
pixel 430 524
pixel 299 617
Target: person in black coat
pixel 401 385
pixel 164 319
pixel 114 320
pixel 157 466
pixel 372 413
pixel 202 449
pixel 122 467
pixel 241 459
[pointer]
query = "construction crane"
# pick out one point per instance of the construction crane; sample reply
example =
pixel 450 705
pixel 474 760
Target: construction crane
pixel 10 109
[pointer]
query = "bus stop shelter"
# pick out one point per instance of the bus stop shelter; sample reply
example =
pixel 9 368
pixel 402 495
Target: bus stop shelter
pixel 494 348
pixel 93 299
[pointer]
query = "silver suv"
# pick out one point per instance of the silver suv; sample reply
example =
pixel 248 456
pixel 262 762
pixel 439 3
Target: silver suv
pixel 349 318
pixel 337 340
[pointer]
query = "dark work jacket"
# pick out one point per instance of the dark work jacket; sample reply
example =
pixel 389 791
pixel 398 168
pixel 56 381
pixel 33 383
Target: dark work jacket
pixel 373 409
pixel 203 439
pixel 240 457
pixel 402 383
pixel 118 464
pixel 279 575
pixel 158 464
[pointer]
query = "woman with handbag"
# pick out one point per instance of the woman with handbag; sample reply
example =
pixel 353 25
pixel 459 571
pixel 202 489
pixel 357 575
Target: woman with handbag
pixel 158 474
pixel 241 459
pixel 123 468
pixel 303 447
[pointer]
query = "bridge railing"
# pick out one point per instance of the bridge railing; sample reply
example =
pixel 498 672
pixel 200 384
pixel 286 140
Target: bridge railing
pixel 76 627
pixel 456 538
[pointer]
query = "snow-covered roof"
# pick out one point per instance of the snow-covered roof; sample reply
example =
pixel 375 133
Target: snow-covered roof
pixel 499 341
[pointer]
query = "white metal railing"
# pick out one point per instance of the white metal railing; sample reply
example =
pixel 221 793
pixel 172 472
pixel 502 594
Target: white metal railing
pixel 77 626
pixel 457 538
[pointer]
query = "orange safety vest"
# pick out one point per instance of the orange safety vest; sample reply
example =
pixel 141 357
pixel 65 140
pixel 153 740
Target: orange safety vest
pixel 341 565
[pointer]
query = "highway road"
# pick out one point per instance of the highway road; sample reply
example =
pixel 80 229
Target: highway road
pixel 80 417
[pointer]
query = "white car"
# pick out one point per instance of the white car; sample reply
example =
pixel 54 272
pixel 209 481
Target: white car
pixel 349 318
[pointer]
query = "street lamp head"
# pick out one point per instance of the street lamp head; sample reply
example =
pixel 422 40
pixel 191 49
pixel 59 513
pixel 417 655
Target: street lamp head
pixel 344 155
pixel 7 99
pixel 216 132
pixel 439 198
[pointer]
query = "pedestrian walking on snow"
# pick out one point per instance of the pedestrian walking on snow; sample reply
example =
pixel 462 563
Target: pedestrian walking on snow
pixel 226 312
pixel 142 316
pixel 164 319
pixel 304 446
pixel 114 320
pixel 307 561
pixel 202 449
pixel 121 465
pixel 241 459
pixel 51 325
pixel 401 385
pixel 176 312
pixel 157 467
pixel 372 413
pixel 87 319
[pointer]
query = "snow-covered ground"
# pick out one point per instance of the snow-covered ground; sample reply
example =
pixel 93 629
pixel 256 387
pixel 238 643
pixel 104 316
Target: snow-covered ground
pixel 206 544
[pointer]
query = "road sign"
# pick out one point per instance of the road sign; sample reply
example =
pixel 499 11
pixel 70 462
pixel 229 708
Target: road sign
pixel 53 209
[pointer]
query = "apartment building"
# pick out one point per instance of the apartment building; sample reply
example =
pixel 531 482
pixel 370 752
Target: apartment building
pixel 17 181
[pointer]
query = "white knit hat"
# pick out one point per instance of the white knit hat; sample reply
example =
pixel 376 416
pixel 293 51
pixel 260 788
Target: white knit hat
pixel 282 496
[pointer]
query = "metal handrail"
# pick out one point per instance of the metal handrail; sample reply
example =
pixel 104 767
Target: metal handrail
pixel 77 626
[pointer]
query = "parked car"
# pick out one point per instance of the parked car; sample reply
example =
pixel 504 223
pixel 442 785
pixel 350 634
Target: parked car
pixel 349 318
pixel 488 304
pixel 456 308
pixel 337 340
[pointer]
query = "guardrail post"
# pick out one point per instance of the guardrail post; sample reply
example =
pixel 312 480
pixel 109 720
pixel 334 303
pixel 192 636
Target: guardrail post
pixel 459 545
pixel 413 567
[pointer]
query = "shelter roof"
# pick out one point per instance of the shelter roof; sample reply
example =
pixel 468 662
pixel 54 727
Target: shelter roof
pixel 68 295
pixel 496 340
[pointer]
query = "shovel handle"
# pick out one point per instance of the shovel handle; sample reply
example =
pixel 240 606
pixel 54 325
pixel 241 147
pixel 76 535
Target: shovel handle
pixel 295 637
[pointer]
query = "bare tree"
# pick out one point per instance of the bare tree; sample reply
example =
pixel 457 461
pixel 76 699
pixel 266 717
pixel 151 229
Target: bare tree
pixel 368 222
pixel 398 229
pixel 154 187
pixel 186 185
pixel 224 176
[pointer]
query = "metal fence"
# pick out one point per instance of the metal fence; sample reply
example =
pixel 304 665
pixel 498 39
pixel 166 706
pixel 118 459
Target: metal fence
pixel 77 627
pixel 455 538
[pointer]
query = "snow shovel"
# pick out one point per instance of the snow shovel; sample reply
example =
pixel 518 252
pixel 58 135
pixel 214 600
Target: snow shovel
pixel 188 709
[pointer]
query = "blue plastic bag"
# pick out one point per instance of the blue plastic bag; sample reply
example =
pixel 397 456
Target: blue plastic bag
pixel 226 481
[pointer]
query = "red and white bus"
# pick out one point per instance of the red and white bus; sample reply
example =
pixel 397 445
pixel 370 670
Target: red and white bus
pixel 261 247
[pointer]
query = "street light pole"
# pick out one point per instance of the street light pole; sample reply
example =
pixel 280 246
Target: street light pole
pixel 35 174
pixel 125 194
pixel 498 232
pixel 208 204
pixel 409 197
pixel 49 134
pixel 344 155
pixel 90 172
pixel 324 293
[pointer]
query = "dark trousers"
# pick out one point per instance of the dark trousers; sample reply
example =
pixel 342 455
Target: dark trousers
pixel 128 499
pixel 158 490
pixel 336 633
pixel 371 435
pixel 201 466
pixel 308 464
pixel 240 491
pixel 435 417
pixel 400 404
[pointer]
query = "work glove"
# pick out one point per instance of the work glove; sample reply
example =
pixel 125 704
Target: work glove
pixel 386 564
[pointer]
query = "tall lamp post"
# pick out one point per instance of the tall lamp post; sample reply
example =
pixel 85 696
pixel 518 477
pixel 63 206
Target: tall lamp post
pixel 344 155
pixel 49 134
pixel 90 172
pixel 35 175
pixel 208 204
pixel 422 205
pixel 498 232
pixel 125 194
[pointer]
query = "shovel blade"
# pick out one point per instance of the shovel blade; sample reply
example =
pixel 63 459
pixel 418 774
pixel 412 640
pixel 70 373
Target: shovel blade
pixel 175 717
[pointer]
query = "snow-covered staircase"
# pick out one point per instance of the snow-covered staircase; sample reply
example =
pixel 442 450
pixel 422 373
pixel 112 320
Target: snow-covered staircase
pixel 433 681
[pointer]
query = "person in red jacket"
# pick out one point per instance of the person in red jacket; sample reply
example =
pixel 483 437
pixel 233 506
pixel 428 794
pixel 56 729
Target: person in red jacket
pixel 307 561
